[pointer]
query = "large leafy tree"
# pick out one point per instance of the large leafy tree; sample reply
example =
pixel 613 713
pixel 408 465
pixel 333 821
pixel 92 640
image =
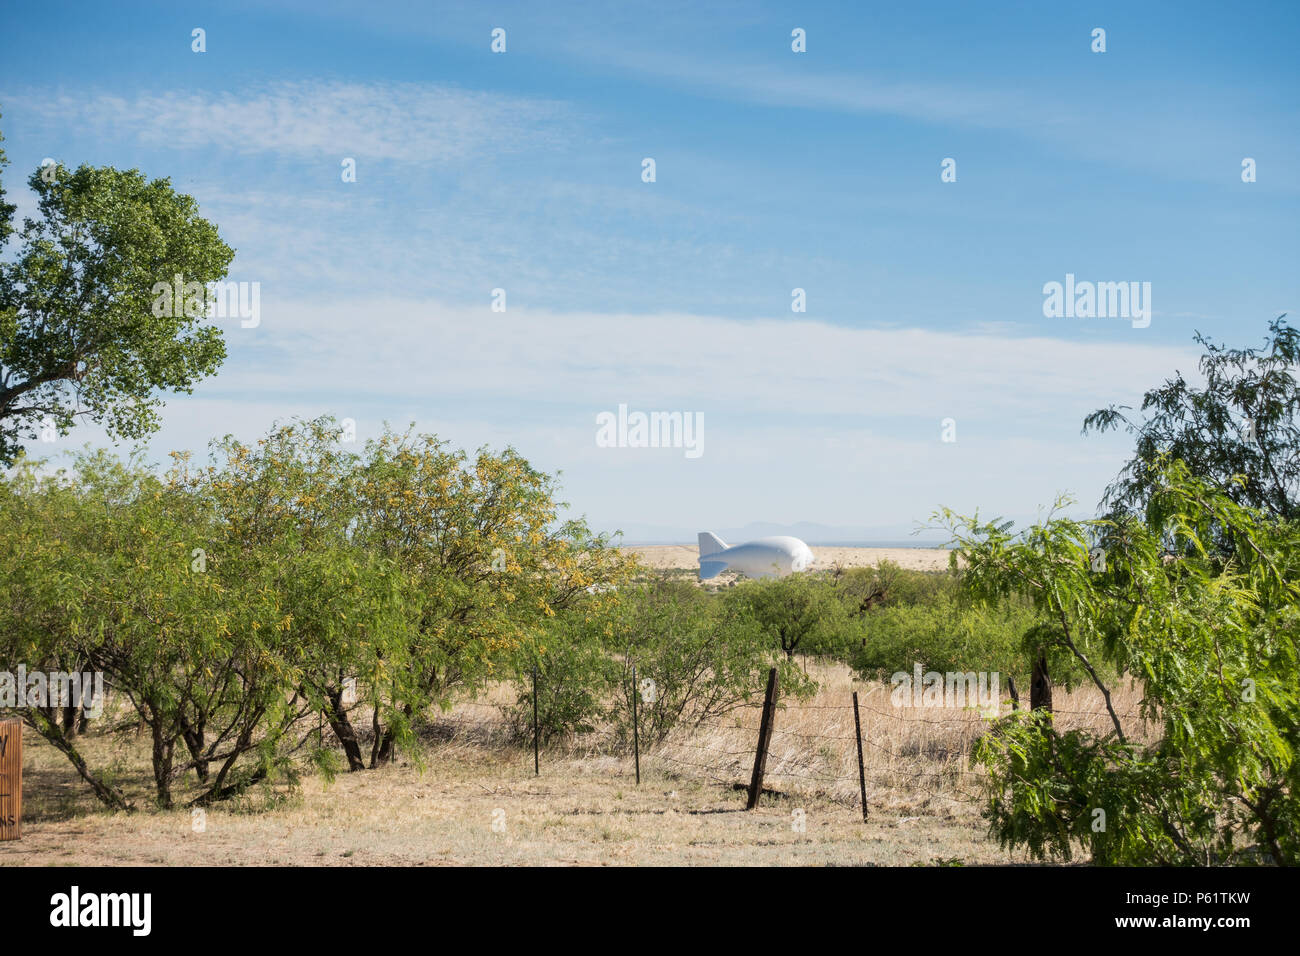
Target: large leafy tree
pixel 1244 421
pixel 406 570
pixel 280 521
pixel 487 560
pixel 288 510
pixel 200 604
pixel 78 334
pixel 41 597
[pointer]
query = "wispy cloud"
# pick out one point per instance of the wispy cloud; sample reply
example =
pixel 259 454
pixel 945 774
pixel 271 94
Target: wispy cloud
pixel 407 122
pixel 839 92
pixel 1175 143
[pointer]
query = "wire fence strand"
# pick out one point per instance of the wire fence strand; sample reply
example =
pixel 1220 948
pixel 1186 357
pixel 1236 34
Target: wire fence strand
pixel 813 747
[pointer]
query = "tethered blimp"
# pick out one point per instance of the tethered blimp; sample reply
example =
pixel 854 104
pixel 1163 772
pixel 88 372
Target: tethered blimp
pixel 764 558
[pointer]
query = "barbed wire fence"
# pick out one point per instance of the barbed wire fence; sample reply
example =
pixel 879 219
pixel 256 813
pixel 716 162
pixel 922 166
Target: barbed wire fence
pixel 822 750
pixel 861 754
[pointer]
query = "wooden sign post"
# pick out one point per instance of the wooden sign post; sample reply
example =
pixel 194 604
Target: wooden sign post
pixel 11 779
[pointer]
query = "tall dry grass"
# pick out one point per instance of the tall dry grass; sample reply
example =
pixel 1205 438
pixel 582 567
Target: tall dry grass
pixel 438 805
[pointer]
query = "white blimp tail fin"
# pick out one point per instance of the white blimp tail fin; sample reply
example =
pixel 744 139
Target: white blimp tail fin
pixel 710 543
pixel 711 569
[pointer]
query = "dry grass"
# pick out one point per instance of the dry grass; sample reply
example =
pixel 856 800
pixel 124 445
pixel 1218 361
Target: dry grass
pixel 916 760
pixel 584 809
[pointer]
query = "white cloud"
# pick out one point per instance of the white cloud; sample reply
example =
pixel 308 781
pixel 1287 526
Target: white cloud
pixel 692 361
pixel 803 420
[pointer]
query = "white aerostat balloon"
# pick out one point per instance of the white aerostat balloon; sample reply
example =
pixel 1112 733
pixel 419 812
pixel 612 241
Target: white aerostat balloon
pixel 764 558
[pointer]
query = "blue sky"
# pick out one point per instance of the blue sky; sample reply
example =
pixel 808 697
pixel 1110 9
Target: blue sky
pixel 775 170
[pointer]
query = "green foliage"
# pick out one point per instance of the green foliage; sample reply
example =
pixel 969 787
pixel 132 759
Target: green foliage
pixel 232 605
pixel 1244 424
pixel 196 604
pixel 798 612
pixel 481 540
pixel 575 677
pixel 695 659
pixel 703 653
pixel 78 334
pixel 283 516
pixel 888 585
pixel 913 617
pixel 945 635
pixel 7 209
pixel 1213 642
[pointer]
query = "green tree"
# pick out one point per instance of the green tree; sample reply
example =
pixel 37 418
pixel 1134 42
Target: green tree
pixel 1212 641
pixel 796 612
pixel 486 556
pixel 1244 422
pixel 289 513
pixel 703 654
pixel 282 517
pixel 950 634
pixel 186 626
pixel 41 610
pixel 695 660
pixel 182 628
pixel 223 605
pixel 79 335
pixel 7 209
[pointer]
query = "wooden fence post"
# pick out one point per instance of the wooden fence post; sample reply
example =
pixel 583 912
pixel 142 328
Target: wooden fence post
pixel 537 770
pixel 636 732
pixel 862 770
pixel 11 779
pixel 764 738
pixel 1040 685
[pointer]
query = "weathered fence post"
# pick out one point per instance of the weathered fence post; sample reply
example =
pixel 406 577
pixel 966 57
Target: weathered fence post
pixel 11 779
pixel 636 730
pixel 862 770
pixel 1040 685
pixel 764 738
pixel 537 764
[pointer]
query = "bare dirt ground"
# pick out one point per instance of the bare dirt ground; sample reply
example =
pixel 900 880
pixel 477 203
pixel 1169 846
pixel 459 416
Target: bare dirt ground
pixel 686 556
pixel 579 812
pixel 475 801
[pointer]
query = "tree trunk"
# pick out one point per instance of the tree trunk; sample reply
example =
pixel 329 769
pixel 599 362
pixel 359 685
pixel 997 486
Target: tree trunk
pixel 162 766
pixel 219 789
pixel 343 730
pixel 388 749
pixel 108 795
pixel 194 742
pixel 377 739
pixel 216 794
pixel 71 713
